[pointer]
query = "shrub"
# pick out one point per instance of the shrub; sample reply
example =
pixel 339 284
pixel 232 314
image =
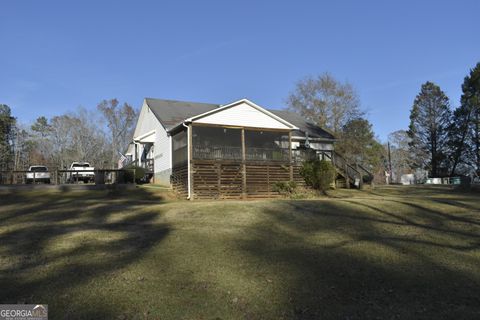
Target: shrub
pixel 367 178
pixel 284 187
pixel 319 174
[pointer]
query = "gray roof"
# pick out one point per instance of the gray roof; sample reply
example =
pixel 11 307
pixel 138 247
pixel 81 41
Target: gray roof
pixel 314 131
pixel 171 113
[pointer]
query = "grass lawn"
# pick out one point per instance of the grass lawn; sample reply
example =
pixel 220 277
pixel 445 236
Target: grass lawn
pixel 389 253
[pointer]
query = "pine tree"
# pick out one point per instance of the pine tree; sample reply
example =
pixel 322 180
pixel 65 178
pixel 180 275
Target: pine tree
pixel 7 125
pixel 358 144
pixel 471 101
pixel 428 130
pixel 465 127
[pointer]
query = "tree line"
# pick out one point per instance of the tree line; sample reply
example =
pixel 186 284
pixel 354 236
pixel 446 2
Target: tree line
pixel 440 140
pixel 443 140
pixel 97 136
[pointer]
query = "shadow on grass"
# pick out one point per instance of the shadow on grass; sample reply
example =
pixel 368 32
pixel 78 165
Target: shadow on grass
pixel 356 260
pixel 56 242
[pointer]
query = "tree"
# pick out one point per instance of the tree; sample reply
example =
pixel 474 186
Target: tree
pixel 7 129
pixel 325 101
pixel 42 127
pixel 428 130
pixel 459 133
pixel 89 141
pixel 78 137
pixel 465 127
pixel 358 144
pixel 401 158
pixel 121 122
pixel 26 150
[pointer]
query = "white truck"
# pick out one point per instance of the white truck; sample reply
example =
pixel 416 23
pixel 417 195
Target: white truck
pixel 37 174
pixel 81 171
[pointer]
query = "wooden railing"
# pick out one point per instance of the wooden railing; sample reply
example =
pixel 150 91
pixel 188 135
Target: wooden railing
pixel 235 153
pixel 348 170
pixel 265 154
pixel 148 164
pixel 216 153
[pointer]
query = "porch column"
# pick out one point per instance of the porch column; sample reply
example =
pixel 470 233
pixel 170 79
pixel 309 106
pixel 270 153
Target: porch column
pixel 244 167
pixel 189 163
pixel 136 154
pixel 290 154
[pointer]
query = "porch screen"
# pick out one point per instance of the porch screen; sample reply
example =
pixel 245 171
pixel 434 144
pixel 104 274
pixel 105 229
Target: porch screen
pixel 266 145
pixel 211 143
pixel 179 148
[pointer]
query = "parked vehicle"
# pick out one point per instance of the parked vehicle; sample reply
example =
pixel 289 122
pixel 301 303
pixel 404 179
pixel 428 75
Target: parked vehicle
pixel 37 174
pixel 82 172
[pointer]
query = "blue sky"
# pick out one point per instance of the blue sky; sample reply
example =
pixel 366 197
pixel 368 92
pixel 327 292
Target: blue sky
pixel 58 55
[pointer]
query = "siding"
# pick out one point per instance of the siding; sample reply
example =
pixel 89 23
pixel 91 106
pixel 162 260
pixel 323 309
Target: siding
pixel 162 163
pixel 321 146
pixel 242 115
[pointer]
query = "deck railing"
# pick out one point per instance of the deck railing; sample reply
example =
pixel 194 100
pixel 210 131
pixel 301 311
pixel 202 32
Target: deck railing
pixel 216 153
pixel 266 154
pixel 235 153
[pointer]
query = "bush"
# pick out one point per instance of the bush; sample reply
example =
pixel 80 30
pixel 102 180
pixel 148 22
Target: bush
pixel 285 187
pixel 319 174
pixel 367 178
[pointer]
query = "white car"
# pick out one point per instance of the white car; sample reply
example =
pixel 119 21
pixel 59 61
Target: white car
pixel 37 174
pixel 81 171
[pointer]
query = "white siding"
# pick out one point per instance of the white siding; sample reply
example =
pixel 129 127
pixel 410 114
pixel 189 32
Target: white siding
pixel 315 145
pixel 161 147
pixel 321 146
pixel 162 151
pixel 242 115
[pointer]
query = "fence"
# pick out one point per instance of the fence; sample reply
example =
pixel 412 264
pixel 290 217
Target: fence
pixel 97 176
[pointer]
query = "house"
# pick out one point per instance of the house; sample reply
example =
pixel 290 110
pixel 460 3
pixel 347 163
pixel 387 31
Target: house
pixel 237 150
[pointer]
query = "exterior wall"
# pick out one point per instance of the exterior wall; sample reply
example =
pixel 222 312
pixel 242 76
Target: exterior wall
pixel 321 146
pixel 163 177
pixel 242 115
pixel 315 145
pixel 162 161
pixel 161 148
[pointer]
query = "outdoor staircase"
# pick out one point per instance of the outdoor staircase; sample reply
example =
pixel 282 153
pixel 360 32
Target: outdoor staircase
pixel 348 174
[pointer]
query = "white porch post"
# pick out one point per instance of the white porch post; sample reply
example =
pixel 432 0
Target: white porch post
pixel 189 163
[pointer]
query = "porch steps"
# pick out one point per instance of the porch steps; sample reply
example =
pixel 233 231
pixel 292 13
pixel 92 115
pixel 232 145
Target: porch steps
pixel 348 171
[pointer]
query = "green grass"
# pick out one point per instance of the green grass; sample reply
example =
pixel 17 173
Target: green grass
pixel 387 253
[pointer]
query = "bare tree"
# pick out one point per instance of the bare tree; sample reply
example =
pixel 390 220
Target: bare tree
pixel 61 139
pixel 121 122
pixel 89 140
pixel 325 101
pixel 401 156
pixel 78 137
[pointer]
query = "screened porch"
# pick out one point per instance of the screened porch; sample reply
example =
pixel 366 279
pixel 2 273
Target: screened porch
pixel 236 144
